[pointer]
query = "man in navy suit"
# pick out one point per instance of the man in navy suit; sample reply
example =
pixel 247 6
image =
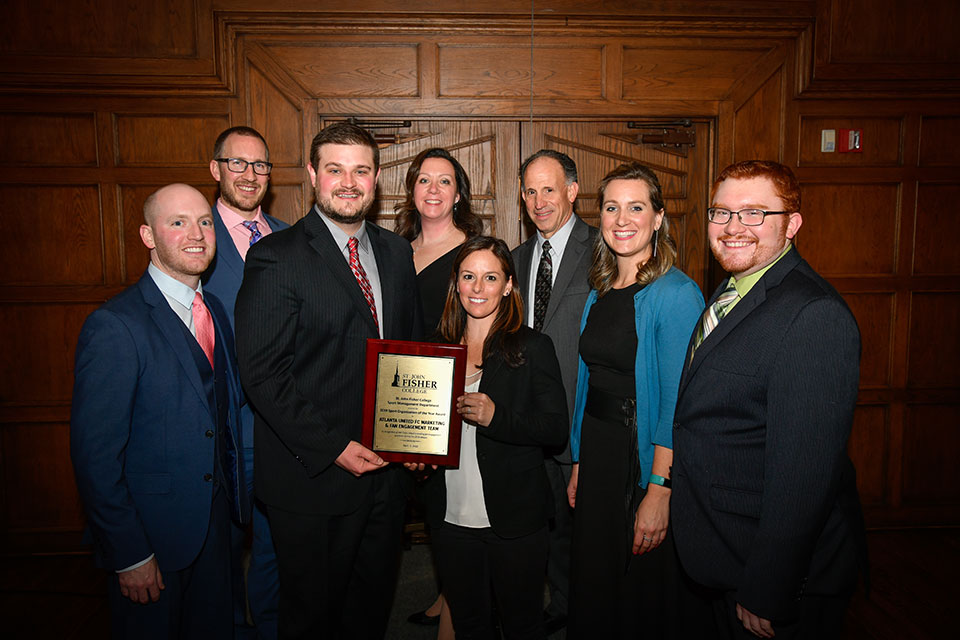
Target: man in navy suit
pixel 765 510
pixel 312 296
pixel 241 165
pixel 154 433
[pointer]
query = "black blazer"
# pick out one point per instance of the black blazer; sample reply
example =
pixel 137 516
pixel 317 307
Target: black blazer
pixel 302 326
pixel 530 414
pixel 764 496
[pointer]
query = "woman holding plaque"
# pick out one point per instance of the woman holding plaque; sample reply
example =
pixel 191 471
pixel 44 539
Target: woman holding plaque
pixel 636 325
pixel 436 219
pixel 489 516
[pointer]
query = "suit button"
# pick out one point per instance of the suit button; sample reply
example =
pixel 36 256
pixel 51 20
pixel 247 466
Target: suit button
pixel 209 433
pixel 208 477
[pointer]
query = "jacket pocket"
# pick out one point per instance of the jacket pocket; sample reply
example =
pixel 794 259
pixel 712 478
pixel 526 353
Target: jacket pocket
pixel 149 482
pixel 739 502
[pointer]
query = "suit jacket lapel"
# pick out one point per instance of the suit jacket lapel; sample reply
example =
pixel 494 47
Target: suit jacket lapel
pixel 320 239
pixel 388 277
pixel 577 245
pixel 166 321
pixel 226 249
pixel 756 296
pixel 489 377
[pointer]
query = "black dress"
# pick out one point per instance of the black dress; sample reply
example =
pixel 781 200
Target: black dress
pixel 432 282
pixel 613 594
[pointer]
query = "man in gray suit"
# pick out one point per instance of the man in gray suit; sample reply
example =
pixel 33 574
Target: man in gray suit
pixel 552 268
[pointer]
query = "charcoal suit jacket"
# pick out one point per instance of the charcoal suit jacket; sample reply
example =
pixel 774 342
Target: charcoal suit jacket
pixel 302 326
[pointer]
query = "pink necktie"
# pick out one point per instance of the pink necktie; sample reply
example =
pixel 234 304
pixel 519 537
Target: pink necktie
pixel 203 323
pixel 361 277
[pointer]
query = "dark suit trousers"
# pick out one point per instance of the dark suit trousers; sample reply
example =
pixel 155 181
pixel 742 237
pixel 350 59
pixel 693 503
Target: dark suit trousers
pixel 561 529
pixel 338 572
pixel 471 561
pixel 196 601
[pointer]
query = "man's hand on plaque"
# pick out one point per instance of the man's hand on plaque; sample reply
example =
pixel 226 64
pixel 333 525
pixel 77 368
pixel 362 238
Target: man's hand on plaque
pixel 358 460
pixel 417 466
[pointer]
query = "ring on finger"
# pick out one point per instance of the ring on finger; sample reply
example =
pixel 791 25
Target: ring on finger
pixel 647 538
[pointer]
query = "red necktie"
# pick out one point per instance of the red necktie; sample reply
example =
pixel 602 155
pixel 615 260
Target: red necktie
pixel 361 277
pixel 203 323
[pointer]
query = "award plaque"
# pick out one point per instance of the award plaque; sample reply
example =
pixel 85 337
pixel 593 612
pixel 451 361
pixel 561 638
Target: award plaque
pixel 410 401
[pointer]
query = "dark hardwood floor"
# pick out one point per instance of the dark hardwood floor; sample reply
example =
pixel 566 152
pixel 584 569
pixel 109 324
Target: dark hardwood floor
pixel 913 592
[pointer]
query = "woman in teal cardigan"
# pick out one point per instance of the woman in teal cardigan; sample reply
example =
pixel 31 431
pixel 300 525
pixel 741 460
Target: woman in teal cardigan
pixel 635 329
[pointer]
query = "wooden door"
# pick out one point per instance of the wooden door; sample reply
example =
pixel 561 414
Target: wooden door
pixel 684 173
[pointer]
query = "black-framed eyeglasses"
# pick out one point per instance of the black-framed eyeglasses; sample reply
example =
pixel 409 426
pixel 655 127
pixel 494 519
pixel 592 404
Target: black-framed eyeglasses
pixel 237 165
pixel 748 217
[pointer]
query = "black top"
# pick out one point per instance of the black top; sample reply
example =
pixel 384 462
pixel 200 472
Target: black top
pixel 608 344
pixel 433 282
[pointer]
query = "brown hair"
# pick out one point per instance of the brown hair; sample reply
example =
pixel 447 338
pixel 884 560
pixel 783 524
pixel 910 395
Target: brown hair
pixel 504 336
pixel 249 132
pixel 344 133
pixel 603 271
pixel 408 218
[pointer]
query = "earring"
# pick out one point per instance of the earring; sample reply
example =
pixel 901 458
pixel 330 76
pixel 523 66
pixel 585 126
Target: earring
pixel 656 236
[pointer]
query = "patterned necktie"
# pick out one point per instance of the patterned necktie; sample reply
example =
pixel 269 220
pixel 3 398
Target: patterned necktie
pixel 255 234
pixel 713 315
pixel 541 292
pixel 361 276
pixel 203 323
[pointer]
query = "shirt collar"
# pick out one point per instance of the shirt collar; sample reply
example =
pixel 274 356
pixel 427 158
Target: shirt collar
pixel 340 236
pixel 558 241
pixel 744 284
pixel 173 288
pixel 233 219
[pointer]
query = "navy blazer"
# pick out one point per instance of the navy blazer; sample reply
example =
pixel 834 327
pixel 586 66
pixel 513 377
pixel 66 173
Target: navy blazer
pixel 140 430
pixel 764 499
pixel 225 274
pixel 223 278
pixel 530 415
pixel 302 329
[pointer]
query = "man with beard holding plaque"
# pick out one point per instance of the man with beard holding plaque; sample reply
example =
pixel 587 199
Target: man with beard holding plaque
pixel 311 297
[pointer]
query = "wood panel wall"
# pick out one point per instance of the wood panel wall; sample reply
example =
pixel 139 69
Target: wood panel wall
pixel 102 101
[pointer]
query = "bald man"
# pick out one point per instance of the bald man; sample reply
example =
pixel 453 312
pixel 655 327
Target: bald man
pixel 154 434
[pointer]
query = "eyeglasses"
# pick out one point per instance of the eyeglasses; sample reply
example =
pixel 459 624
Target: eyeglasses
pixel 236 165
pixel 748 217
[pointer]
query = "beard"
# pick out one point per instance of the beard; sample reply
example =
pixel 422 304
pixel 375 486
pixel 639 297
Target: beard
pixel 765 251
pixel 327 208
pixel 240 201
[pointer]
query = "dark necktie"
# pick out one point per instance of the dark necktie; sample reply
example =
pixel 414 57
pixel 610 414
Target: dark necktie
pixel 255 234
pixel 361 276
pixel 541 292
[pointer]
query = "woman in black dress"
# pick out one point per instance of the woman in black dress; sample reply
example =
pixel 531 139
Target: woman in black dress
pixel 636 325
pixel 436 219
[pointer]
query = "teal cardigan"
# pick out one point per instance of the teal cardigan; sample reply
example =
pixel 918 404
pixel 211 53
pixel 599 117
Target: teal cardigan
pixel 666 313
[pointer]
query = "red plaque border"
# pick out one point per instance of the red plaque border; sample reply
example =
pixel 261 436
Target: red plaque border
pixel 402 347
